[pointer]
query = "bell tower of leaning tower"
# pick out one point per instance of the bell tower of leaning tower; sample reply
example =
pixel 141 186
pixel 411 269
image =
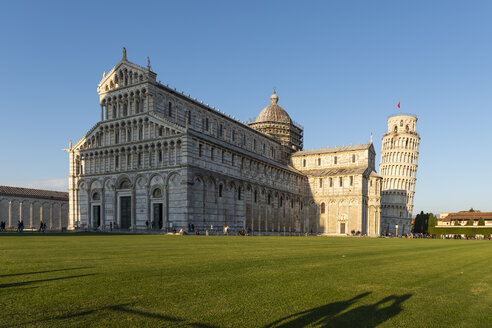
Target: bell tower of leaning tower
pixel 398 167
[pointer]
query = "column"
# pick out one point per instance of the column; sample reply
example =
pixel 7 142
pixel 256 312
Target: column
pixel 165 210
pixel 51 216
pixel 10 213
pixel 30 215
pixel 60 216
pixel 103 208
pixel 102 112
pixel 20 211
pixel 133 214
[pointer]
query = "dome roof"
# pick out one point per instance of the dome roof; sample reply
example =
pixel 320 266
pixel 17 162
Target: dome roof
pixel 273 112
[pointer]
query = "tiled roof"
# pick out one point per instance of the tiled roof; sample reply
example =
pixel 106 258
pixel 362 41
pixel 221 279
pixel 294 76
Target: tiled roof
pixel 468 215
pixel 341 171
pixel 33 193
pixel 332 149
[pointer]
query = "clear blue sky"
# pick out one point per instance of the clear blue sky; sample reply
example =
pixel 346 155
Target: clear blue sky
pixel 340 68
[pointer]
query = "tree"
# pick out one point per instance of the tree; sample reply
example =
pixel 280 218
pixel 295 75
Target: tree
pixel 481 222
pixel 421 223
pixel 457 223
pixel 469 222
pixel 431 225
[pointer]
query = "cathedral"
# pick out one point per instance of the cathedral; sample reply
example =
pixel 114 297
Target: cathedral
pixel 161 160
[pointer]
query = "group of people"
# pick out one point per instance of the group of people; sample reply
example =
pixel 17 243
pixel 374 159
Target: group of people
pixel 2 225
pixel 20 226
pixel 42 227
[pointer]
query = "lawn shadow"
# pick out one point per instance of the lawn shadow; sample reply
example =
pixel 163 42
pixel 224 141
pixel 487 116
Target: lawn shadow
pixel 46 271
pixel 124 308
pixel 24 283
pixel 167 318
pixel 335 314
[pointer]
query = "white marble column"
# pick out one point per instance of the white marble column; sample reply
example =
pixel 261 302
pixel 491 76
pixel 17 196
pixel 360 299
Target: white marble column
pixel 10 213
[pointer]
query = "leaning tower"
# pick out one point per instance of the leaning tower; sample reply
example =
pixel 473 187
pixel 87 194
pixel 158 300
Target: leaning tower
pixel 398 167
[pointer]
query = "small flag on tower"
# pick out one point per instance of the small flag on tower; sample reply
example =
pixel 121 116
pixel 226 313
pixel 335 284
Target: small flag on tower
pixel 398 104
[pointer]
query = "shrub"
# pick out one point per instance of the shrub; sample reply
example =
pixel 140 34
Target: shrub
pixel 469 222
pixel 457 223
pixel 481 222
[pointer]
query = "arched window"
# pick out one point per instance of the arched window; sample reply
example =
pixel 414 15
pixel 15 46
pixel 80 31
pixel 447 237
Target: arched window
pixel 269 199
pixel 256 196
pixel 353 158
pixel 206 124
pixel 200 150
pixel 96 196
pixel 335 160
pixel 157 193
pixel 125 184
pixel 401 123
pixel 169 109
pixel 321 182
pixel 396 130
pixel 304 163
pixel 319 161
pixel 281 202
pixel 322 209
pixel 220 190
pixel 341 182
pixel 407 128
pixel 239 193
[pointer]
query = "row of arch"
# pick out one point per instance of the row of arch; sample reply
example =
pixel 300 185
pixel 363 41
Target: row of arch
pixel 402 142
pixel 126 132
pixel 399 184
pixel 402 157
pixel 246 165
pixel 398 170
pixel 33 212
pixel 149 155
pixel 123 78
pixel 215 125
pixel 123 105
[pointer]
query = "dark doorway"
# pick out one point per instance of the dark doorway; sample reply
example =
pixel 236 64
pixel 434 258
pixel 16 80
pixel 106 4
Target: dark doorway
pixel 126 212
pixel 342 227
pixel 96 214
pixel 157 223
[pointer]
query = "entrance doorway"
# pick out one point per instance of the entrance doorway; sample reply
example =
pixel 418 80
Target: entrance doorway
pixel 126 212
pixel 157 223
pixel 96 214
pixel 342 227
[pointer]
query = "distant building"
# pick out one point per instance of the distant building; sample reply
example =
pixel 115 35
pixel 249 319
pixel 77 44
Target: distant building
pixel 159 159
pixel 33 206
pixel 464 217
pixel 398 167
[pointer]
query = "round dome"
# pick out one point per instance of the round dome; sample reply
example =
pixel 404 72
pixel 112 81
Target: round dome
pixel 273 112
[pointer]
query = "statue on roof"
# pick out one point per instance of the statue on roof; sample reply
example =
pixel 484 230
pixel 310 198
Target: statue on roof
pixel 148 63
pixel 124 53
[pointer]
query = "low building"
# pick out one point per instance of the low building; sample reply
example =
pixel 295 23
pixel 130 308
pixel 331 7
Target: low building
pixel 33 206
pixel 464 217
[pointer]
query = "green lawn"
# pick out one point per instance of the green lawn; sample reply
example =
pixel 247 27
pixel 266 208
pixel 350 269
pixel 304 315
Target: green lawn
pixel 84 280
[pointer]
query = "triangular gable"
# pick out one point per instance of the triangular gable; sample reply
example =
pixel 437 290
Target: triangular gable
pixel 123 74
pixel 173 128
